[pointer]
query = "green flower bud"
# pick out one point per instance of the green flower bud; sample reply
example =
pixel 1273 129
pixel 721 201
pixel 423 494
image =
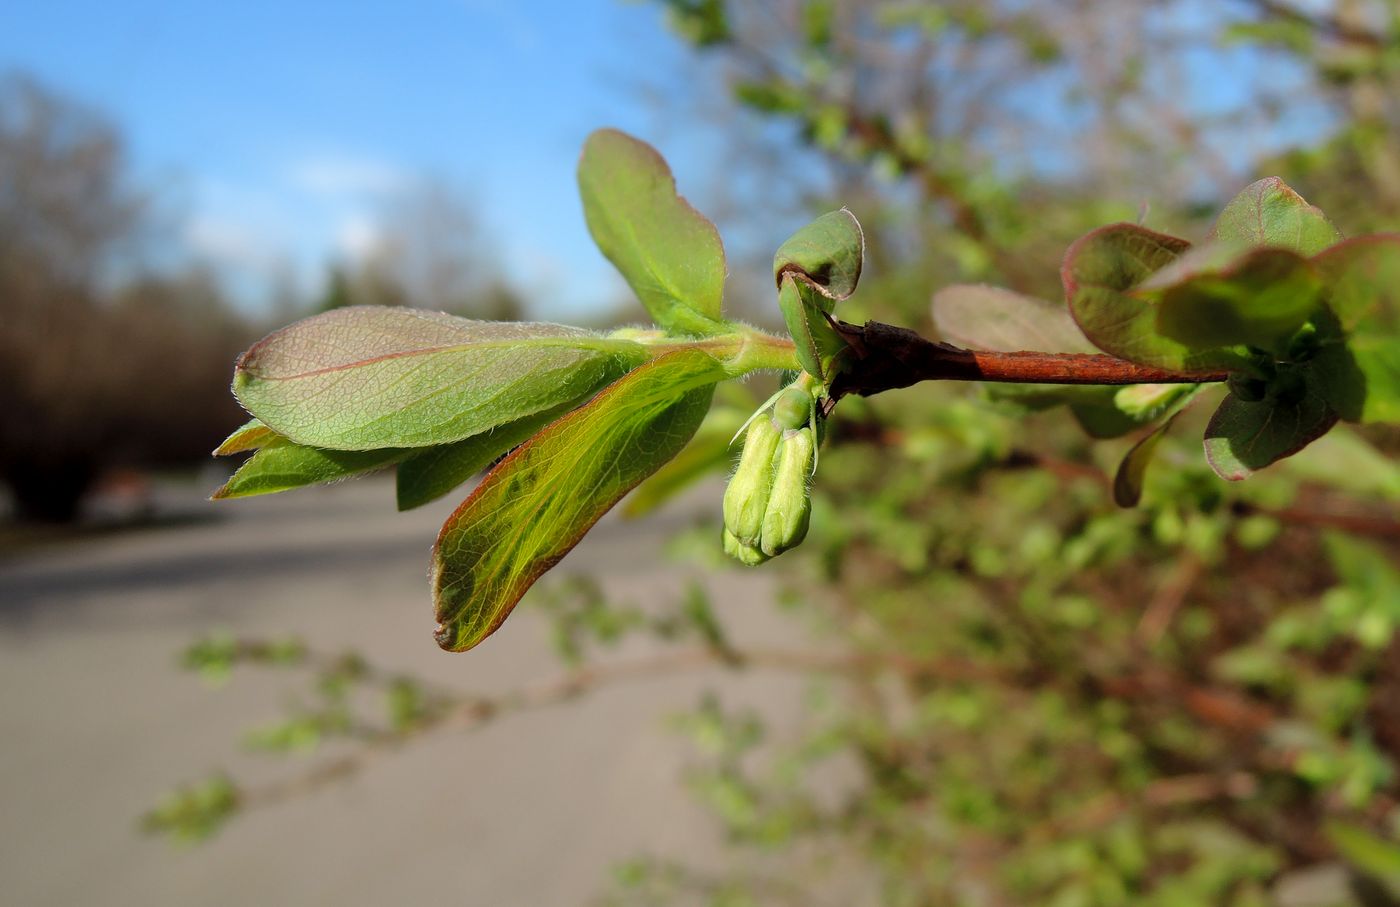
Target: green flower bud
pixel 746 498
pixel 793 408
pixel 789 502
pixel 744 554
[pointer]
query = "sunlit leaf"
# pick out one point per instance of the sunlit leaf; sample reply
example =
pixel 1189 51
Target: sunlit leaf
pixel 989 318
pixel 1244 436
pixel 709 452
pixel 1360 377
pixel 1099 270
pixel 281 465
pixel 1269 213
pixel 536 504
pixel 668 252
pixel 368 377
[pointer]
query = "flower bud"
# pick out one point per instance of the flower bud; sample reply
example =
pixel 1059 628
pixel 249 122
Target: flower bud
pixel 744 554
pixel 746 497
pixel 789 502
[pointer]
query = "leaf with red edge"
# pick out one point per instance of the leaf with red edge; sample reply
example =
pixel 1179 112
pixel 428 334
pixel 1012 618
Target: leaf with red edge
pixel 537 503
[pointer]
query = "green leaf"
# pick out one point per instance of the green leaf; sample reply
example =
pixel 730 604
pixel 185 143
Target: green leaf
pixel 250 437
pixel 537 503
pixel 668 252
pixel 989 318
pixel 368 377
pixel 815 341
pixel 1360 276
pixel 1099 270
pixel 282 465
pixel 1368 853
pixel 1128 481
pixel 1243 436
pixel 1259 298
pixel 429 474
pixel 828 253
pixel 1269 213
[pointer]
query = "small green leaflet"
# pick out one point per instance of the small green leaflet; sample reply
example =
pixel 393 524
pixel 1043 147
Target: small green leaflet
pixel 1128 481
pixel 281 465
pixel 1243 437
pixel 815 268
pixel 368 377
pixel 250 436
pixel 669 253
pixel 829 253
pixel 1101 268
pixel 1269 213
pixel 537 503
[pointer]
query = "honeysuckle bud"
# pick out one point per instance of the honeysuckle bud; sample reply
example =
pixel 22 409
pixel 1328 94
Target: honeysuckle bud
pixel 744 554
pixel 746 498
pixel 789 501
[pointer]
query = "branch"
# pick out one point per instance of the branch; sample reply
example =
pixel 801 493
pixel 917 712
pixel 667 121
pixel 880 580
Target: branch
pixel 889 357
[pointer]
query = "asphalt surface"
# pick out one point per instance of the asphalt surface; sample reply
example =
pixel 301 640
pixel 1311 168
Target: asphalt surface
pixel 97 722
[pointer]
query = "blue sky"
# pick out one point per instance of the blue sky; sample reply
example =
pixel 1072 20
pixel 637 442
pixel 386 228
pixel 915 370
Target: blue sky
pixel 276 130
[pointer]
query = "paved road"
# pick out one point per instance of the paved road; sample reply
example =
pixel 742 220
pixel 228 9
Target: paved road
pixel 96 721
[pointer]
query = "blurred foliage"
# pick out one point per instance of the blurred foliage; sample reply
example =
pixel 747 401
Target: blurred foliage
pixel 1042 698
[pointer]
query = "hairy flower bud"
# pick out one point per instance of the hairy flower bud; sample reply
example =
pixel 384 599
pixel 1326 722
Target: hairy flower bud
pixel 789 502
pixel 746 498
pixel 744 554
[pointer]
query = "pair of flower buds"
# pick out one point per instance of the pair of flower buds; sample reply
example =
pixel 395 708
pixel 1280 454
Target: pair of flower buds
pixel 768 503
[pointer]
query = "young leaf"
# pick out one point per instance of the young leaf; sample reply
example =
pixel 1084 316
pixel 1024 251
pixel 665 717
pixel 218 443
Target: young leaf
pixel 708 452
pixel 368 377
pixel 982 317
pixel 251 436
pixel 1269 213
pixel 668 252
pixel 1259 299
pixel 1099 270
pixel 537 503
pixel 429 474
pixel 281 465
pixel 1246 436
pixel 814 340
pixel 828 253
pixel 1128 481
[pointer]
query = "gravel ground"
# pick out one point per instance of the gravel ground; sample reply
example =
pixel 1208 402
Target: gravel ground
pixel 533 809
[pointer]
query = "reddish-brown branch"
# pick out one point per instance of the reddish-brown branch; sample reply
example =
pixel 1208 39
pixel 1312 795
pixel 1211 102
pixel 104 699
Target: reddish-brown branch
pixel 886 357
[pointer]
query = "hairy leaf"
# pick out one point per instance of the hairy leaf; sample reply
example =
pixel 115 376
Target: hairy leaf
pixel 828 252
pixel 1244 436
pixel 250 436
pixel 281 465
pixel 989 318
pixel 1099 270
pixel 368 377
pixel 1269 213
pixel 814 340
pixel 427 475
pixel 537 503
pixel 668 252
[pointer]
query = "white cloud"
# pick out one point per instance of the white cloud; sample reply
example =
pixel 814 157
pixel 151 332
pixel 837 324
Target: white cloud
pixel 339 175
pixel 357 235
pixel 233 244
